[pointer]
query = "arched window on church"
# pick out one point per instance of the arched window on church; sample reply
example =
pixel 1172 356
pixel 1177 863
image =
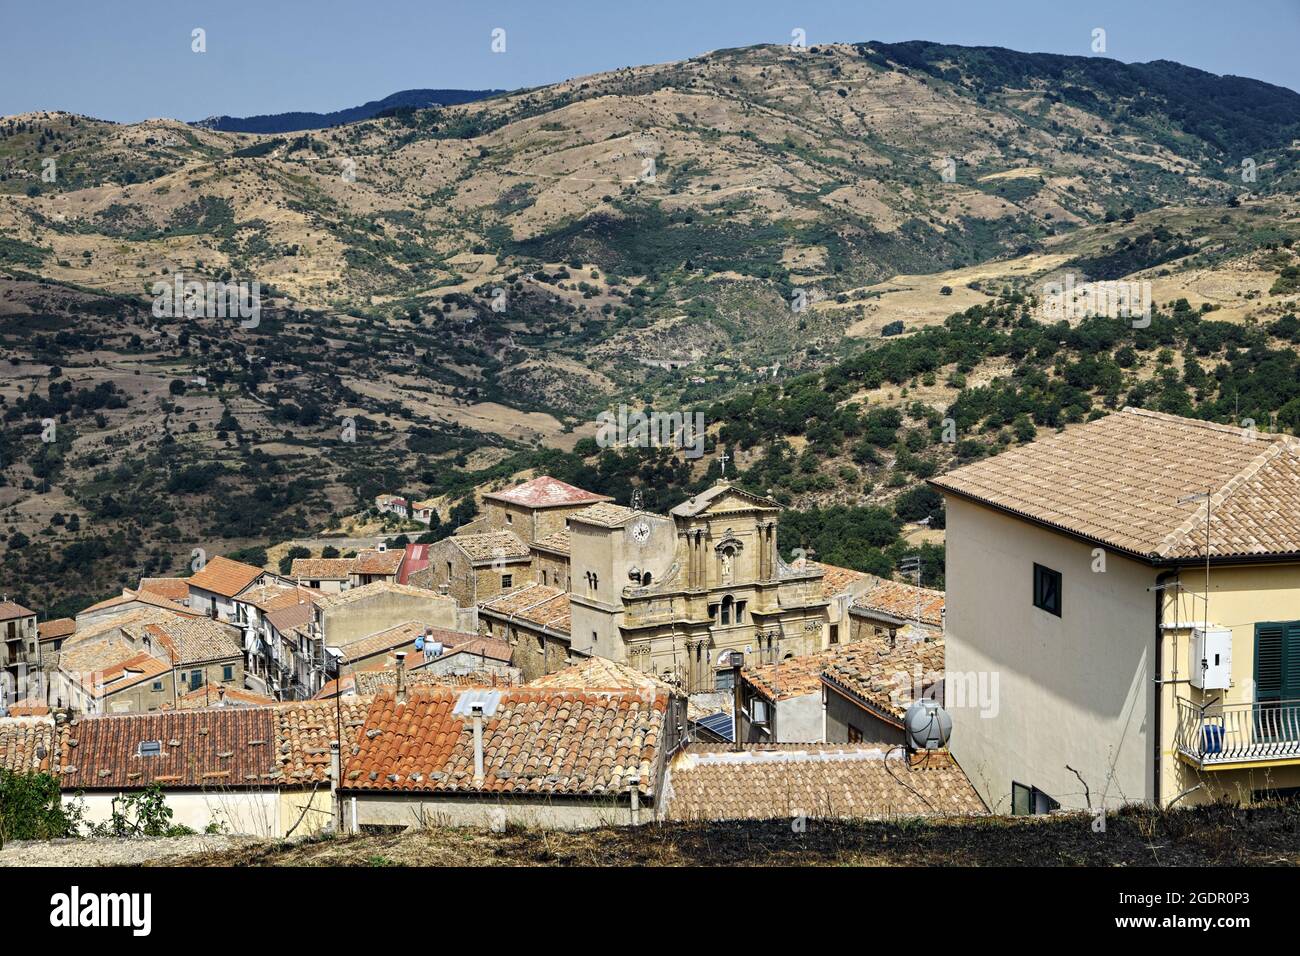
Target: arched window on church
pixel 727 604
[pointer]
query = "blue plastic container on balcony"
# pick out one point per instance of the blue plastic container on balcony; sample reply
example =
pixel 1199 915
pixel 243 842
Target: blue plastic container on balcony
pixel 1211 738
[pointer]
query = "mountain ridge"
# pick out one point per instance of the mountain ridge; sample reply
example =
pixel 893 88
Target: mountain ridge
pixel 300 120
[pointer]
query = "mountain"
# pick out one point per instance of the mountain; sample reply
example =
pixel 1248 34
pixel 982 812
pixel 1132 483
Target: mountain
pixel 470 285
pixel 296 122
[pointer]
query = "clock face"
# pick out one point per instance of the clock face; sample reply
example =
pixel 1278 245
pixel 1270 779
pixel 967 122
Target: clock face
pixel 641 532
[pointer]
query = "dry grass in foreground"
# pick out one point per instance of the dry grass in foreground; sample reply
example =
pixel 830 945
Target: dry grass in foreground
pixel 1217 835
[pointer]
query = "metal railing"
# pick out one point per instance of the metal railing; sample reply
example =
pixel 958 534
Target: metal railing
pixel 1238 733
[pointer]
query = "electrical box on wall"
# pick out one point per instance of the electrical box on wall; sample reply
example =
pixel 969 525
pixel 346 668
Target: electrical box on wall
pixel 1211 658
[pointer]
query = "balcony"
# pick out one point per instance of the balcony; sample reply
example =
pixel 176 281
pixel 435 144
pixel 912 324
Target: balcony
pixel 1238 736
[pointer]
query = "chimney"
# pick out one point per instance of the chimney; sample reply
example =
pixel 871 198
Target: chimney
pixel 477 711
pixel 221 695
pixel 401 677
pixel 737 700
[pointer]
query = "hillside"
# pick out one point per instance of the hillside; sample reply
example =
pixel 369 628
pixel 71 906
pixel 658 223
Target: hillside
pixel 404 100
pixel 647 229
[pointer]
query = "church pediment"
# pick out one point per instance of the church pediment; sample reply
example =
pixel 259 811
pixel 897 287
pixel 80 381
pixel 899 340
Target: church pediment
pixel 724 499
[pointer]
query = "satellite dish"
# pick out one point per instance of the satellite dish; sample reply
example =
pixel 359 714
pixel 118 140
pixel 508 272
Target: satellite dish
pixel 927 725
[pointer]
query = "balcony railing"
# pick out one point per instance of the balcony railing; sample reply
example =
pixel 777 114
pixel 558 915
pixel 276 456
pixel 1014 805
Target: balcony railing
pixel 1239 733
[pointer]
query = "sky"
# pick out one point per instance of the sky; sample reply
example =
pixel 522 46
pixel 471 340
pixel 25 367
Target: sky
pixel 128 60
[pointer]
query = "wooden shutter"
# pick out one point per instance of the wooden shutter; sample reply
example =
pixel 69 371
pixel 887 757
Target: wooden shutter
pixel 1270 664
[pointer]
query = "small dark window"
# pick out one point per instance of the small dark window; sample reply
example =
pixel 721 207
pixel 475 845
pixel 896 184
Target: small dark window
pixel 150 748
pixel 507 580
pixel 228 672
pixel 1030 800
pixel 835 633
pixel 1047 589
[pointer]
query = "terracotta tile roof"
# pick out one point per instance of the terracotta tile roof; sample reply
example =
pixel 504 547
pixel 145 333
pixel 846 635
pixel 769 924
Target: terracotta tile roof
pixel 374 561
pixel 173 589
pixel 534 604
pixel 490 648
pixel 29 707
pixel 87 633
pixel 399 637
pixel 59 627
pixel 793 677
pixel 905 601
pixel 304 730
pixel 384 681
pixel 27 744
pixel 214 748
pixel 10 610
pixel 829 781
pixel 120 674
pixel 211 695
pixel 604 515
pixel 1118 481
pixel 140 597
pixel 600 673
pixel 546 492
pixel 375 589
pixel 836 580
pixel 490 545
pixel 557 541
pixel 536 741
pixel 225 577
pixel 189 640
pixel 884 677
pixel 317 569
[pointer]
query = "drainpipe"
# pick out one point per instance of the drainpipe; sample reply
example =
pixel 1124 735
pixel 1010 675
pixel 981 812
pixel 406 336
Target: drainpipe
pixel 738 699
pixel 336 804
pixel 401 677
pixel 477 711
pixel 1159 681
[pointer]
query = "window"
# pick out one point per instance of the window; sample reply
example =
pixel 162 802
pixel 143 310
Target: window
pixel 1047 589
pixel 228 672
pixel 157 686
pixel 510 519
pixel 727 604
pixel 507 580
pixel 835 633
pixel 1030 800
pixel 855 735
pixel 740 612
pixel 544 582
pixel 196 679
pixel 149 748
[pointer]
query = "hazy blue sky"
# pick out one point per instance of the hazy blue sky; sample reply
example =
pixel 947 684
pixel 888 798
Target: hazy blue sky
pixel 131 59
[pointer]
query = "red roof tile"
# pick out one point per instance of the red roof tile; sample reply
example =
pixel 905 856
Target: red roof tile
pixel 536 741
pixel 546 492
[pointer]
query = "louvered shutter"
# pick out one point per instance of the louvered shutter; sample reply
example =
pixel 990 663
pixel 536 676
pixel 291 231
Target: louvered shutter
pixel 1270 661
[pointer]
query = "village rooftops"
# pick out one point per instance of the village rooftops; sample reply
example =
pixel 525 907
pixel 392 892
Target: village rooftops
pixel 826 781
pixel 794 676
pixel 837 580
pixel 600 673
pixel 490 545
pixel 368 683
pixel 487 648
pixel 372 590
pixel 535 741
pixel 903 602
pixel 188 640
pixel 221 695
pixel 10 610
pixel 173 589
pixel 605 515
pixel 140 597
pixel 320 569
pixel 545 492
pixel 55 629
pixel 215 748
pixel 374 561
pixel 1128 482
pixel 536 604
pixel 396 638
pixel 883 677
pixel 556 542
pixel 224 577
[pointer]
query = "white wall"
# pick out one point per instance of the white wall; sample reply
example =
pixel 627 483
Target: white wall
pixel 254 812
pixel 1073 690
